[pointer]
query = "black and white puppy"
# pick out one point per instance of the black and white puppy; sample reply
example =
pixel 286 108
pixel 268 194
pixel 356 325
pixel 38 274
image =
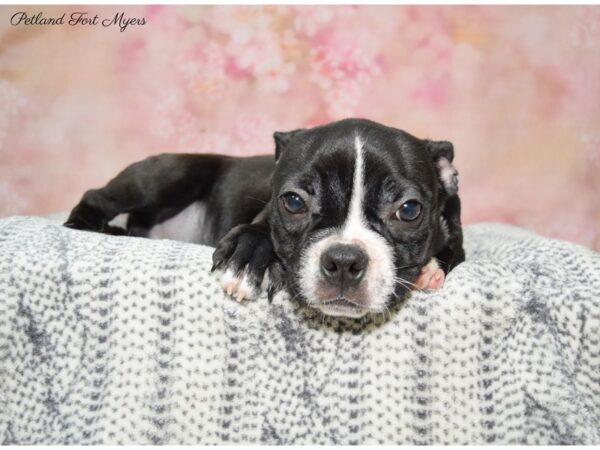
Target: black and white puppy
pixel 348 216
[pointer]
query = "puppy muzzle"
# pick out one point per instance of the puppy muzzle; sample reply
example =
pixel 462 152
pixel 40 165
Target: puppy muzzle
pixel 342 278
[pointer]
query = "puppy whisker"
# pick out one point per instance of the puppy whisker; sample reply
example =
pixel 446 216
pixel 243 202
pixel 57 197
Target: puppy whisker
pixel 407 284
pixel 257 199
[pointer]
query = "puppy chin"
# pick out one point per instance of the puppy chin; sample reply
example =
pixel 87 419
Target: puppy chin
pixel 343 311
pixel 352 304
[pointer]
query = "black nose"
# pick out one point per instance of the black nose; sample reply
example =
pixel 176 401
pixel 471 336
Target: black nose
pixel 344 265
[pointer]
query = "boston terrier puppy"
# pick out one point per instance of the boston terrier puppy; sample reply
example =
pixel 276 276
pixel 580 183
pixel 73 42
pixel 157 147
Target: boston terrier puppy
pixel 348 217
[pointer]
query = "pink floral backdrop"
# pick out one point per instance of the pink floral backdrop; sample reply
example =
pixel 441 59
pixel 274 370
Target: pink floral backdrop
pixel 515 88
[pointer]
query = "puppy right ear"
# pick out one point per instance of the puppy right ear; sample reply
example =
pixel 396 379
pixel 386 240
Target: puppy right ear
pixel 282 139
pixel 442 155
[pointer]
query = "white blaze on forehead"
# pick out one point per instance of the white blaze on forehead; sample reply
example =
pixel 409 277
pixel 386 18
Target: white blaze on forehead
pixel 355 220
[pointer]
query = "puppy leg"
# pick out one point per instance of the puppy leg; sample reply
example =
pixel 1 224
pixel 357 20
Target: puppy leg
pixel 451 252
pixel 243 257
pixel 163 181
pixel 431 277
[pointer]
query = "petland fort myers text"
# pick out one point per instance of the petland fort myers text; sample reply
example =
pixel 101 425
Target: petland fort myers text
pixel 119 20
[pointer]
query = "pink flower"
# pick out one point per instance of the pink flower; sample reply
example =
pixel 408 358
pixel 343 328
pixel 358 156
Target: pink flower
pixel 253 133
pixel 11 203
pixel 344 65
pixel 586 30
pixel 591 147
pixel 255 46
pixel 203 69
pixel 309 20
pixel 213 142
pixel 11 103
pixel 432 92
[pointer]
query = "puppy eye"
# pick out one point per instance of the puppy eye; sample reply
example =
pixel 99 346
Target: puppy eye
pixel 409 211
pixel 293 203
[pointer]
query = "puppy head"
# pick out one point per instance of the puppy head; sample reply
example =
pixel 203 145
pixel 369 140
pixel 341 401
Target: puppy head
pixel 356 212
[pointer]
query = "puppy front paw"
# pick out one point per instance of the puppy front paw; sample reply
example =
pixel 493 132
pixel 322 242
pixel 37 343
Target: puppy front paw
pixel 431 276
pixel 241 286
pixel 243 257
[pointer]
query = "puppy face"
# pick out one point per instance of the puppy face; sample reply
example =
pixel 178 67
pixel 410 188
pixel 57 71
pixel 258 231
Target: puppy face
pixel 355 212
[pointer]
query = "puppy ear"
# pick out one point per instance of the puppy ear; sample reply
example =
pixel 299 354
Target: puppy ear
pixel 442 155
pixel 282 138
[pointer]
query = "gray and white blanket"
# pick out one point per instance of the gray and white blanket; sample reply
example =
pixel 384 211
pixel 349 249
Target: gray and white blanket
pixel 108 340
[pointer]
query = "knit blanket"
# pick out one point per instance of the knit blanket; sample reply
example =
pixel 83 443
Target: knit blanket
pixel 117 340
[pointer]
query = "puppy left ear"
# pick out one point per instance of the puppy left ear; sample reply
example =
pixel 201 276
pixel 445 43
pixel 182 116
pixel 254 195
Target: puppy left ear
pixel 442 155
pixel 282 139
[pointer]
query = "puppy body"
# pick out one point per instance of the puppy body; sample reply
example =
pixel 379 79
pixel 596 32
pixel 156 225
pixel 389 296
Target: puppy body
pixel 326 217
pixel 219 192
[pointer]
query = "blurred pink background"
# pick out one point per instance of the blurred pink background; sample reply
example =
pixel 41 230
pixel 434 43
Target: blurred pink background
pixel 515 88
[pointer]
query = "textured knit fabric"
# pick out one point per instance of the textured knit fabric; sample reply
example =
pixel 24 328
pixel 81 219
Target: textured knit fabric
pixel 116 340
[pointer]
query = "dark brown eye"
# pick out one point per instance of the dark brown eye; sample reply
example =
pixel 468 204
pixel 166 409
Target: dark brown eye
pixel 293 203
pixel 409 211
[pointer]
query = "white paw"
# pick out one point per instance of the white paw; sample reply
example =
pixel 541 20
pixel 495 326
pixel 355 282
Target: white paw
pixel 431 277
pixel 238 286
